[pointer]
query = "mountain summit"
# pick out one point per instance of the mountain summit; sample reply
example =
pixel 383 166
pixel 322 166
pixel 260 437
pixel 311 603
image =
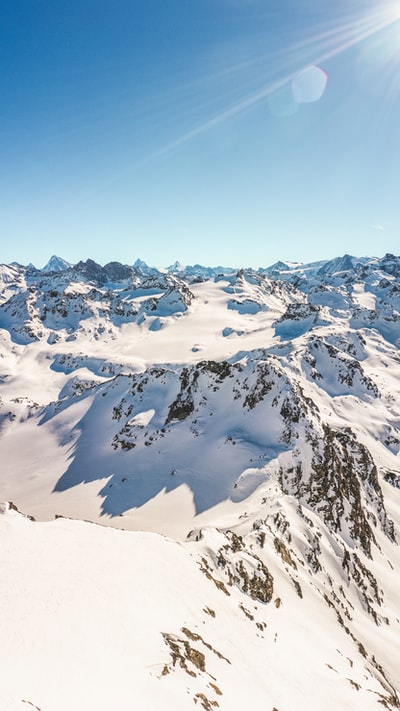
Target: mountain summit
pixel 56 264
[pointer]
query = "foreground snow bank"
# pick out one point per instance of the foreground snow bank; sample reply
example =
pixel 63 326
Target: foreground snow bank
pixel 98 619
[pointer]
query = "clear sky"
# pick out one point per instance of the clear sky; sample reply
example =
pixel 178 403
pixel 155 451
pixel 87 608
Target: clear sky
pixel 232 132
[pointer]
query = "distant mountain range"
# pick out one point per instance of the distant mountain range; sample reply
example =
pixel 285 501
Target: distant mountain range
pixel 253 417
pixel 279 269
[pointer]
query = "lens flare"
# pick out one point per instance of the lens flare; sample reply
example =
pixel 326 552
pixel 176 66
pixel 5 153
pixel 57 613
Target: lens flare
pixel 295 75
pixel 309 85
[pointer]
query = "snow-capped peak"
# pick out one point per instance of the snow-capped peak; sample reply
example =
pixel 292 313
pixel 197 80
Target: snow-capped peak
pixel 56 264
pixel 175 267
pixel 144 269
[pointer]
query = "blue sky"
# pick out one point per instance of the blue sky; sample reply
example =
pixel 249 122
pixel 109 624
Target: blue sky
pixel 232 132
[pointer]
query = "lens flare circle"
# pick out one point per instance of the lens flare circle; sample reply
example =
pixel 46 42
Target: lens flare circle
pixel 309 85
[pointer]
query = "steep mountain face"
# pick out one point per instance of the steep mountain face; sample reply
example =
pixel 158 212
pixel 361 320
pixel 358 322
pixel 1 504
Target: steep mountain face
pixel 111 272
pixel 255 416
pixel 56 264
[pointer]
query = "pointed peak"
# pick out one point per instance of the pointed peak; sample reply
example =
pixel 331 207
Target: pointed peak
pixel 175 267
pixel 56 264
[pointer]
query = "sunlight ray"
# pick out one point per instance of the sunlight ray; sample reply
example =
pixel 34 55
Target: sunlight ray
pixel 341 39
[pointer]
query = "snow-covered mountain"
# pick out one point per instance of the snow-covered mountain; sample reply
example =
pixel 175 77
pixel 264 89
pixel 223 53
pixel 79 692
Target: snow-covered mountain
pixel 56 264
pixel 253 417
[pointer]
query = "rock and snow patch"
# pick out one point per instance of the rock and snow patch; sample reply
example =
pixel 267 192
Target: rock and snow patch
pixel 217 620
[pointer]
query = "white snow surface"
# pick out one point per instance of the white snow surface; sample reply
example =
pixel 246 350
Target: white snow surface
pixel 84 609
pixel 253 418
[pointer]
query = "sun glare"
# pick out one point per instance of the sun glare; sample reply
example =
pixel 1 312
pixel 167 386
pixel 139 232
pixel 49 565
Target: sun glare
pixel 285 80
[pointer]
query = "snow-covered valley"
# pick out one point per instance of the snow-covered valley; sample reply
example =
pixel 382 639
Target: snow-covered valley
pixel 243 428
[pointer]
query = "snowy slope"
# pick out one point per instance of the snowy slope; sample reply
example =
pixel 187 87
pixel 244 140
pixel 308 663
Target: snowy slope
pixel 102 619
pixel 252 416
